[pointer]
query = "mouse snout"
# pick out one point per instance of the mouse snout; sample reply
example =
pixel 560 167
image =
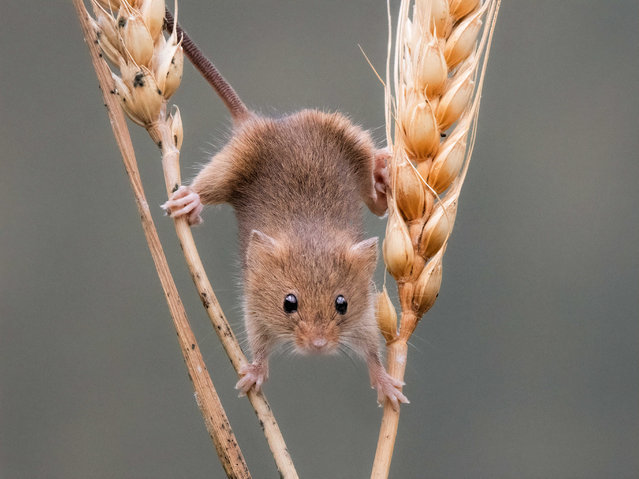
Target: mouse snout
pixel 315 338
pixel 320 342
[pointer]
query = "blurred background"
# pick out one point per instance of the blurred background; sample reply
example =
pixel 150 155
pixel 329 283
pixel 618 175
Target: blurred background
pixel 527 365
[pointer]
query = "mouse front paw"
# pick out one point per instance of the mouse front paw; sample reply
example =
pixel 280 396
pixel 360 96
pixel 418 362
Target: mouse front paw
pixel 253 376
pixel 184 201
pixel 389 388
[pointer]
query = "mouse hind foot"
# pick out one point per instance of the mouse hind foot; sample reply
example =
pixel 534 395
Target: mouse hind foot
pixel 389 388
pixel 386 385
pixel 253 376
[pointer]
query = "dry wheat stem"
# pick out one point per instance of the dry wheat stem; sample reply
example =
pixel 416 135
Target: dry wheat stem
pixel 215 418
pixel 437 86
pixel 150 71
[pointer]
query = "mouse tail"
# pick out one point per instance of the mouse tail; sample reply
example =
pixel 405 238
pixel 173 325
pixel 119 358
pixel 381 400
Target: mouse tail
pixel 225 91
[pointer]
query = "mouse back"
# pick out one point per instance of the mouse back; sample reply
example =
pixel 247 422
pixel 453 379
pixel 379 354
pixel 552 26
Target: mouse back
pixel 301 172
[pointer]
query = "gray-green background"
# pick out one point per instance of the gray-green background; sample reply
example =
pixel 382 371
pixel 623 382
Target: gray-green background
pixel 525 368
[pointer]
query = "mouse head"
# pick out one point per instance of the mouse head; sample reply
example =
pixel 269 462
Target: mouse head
pixel 314 292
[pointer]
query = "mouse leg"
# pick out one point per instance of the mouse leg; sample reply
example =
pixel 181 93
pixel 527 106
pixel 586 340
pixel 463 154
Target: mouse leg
pixel 376 200
pixel 212 185
pixel 255 374
pixel 387 386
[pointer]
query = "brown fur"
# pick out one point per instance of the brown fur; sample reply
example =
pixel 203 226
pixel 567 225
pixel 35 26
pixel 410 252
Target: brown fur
pixel 335 266
pixel 296 184
pixel 300 181
pixel 307 169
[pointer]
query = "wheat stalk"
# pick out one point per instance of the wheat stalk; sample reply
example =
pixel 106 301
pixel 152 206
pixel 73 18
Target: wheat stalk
pixel 440 58
pixel 129 33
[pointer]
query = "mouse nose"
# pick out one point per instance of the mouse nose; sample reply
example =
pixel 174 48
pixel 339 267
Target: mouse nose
pixel 319 342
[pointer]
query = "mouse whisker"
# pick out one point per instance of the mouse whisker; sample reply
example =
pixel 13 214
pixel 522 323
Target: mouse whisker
pixel 340 320
pixel 300 318
pixel 288 349
pixel 349 352
pixel 344 351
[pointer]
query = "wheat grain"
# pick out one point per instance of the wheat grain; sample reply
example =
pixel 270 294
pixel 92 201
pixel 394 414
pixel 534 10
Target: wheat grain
pixel 386 315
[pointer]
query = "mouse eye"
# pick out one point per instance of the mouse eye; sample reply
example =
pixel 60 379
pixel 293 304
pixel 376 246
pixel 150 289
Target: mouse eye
pixel 341 304
pixel 290 303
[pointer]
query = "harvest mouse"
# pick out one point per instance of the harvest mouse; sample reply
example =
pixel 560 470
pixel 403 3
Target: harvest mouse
pixel 296 184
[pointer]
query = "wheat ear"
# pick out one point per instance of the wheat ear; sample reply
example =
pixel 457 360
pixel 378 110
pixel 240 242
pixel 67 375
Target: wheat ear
pixel 439 64
pixel 130 34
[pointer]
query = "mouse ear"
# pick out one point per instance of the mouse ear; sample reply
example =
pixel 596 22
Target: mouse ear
pixel 365 255
pixel 260 244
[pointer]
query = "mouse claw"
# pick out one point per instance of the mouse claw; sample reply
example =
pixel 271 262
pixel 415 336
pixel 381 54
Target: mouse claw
pixel 253 376
pixel 389 388
pixel 184 201
pixel 194 216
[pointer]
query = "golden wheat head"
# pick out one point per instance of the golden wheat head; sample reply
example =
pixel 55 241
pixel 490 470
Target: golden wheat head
pixel 441 48
pixel 150 65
